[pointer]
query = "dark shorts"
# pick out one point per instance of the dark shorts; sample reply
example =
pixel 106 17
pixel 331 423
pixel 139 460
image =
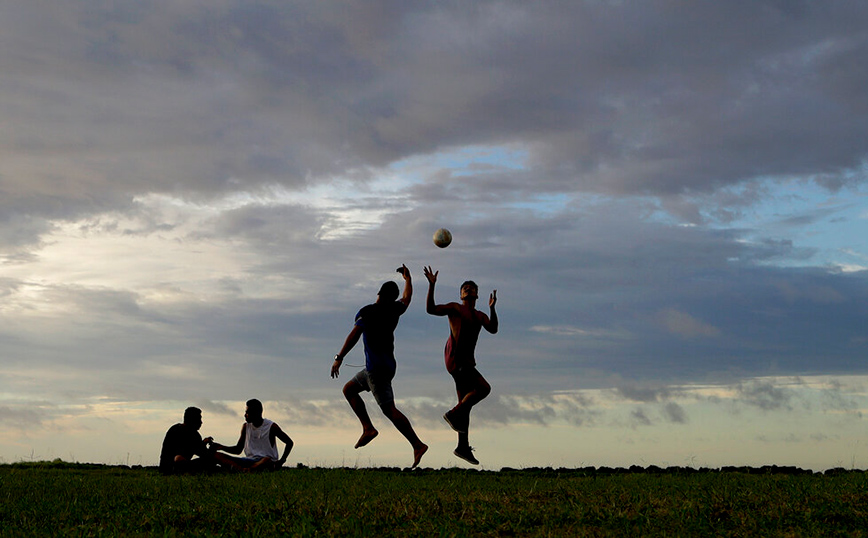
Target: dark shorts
pixel 466 378
pixel 378 384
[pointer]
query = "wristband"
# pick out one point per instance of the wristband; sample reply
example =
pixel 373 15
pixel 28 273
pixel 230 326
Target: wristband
pixel 339 358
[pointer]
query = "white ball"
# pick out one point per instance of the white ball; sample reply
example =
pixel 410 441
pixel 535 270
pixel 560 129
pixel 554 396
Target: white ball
pixel 442 238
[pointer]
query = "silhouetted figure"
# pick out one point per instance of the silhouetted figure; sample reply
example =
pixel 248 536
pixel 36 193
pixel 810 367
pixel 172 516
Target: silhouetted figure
pixel 465 323
pixel 182 442
pixel 258 440
pixel 375 324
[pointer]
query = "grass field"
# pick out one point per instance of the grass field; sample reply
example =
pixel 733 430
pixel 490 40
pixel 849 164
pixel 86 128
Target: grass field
pixel 60 499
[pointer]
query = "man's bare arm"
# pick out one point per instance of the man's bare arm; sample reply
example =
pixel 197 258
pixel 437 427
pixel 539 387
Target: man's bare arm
pixel 430 306
pixel 277 432
pixel 490 323
pixel 408 285
pixel 237 449
pixel 349 343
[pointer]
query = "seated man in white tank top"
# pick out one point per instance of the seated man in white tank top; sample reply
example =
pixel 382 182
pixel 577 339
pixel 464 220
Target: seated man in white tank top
pixel 258 440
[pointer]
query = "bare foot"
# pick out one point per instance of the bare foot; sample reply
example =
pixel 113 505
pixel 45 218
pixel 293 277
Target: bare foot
pixel 367 437
pixel 418 453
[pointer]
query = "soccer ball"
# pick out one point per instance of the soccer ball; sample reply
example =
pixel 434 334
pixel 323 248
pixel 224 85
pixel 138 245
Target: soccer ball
pixel 442 238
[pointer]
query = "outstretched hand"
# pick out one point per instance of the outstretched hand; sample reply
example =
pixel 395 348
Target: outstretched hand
pixel 492 299
pixel 430 274
pixel 404 271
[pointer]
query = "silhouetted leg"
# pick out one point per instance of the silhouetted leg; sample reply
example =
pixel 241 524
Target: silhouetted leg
pixel 351 392
pixel 402 423
pixel 468 398
pixel 228 461
pixel 471 390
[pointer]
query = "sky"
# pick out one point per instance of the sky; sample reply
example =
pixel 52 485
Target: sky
pixel 670 198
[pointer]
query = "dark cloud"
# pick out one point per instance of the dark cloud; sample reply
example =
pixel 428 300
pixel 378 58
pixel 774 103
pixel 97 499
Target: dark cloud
pixel 673 412
pixel 837 398
pixel 20 230
pixel 640 418
pixel 765 395
pixel 285 226
pixel 22 416
pixel 329 413
pixel 34 415
pixel 573 408
pixel 113 101
pixel 644 394
pixel 218 408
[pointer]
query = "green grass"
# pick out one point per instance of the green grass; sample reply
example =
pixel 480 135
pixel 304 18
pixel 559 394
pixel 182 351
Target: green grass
pixel 58 499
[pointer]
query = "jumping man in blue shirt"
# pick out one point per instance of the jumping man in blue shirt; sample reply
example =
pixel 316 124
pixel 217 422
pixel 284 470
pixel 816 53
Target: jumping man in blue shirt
pixel 375 324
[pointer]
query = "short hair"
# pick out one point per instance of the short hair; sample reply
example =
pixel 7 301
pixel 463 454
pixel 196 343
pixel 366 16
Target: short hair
pixel 192 412
pixel 254 405
pixel 469 283
pixel 388 291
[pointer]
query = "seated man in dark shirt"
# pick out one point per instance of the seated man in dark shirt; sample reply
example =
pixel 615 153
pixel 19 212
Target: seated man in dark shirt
pixel 182 442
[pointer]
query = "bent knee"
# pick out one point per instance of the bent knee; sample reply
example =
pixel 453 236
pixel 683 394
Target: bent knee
pixel 484 389
pixel 351 389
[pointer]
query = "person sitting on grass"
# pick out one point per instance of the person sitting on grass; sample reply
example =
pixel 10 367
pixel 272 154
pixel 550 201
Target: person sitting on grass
pixel 258 440
pixel 182 442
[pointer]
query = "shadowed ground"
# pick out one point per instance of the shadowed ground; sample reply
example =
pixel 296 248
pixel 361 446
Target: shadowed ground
pixel 64 499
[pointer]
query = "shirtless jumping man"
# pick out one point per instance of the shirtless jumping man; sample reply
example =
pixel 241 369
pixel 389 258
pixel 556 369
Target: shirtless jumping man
pixel 465 322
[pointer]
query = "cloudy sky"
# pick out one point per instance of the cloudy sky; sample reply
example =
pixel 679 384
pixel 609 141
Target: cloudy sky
pixel 671 199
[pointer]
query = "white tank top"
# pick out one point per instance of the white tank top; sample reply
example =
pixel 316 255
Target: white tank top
pixel 257 443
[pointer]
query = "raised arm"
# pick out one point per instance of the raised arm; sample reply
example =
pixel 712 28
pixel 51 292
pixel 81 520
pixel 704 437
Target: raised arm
pixel 408 285
pixel 491 324
pixel 430 306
